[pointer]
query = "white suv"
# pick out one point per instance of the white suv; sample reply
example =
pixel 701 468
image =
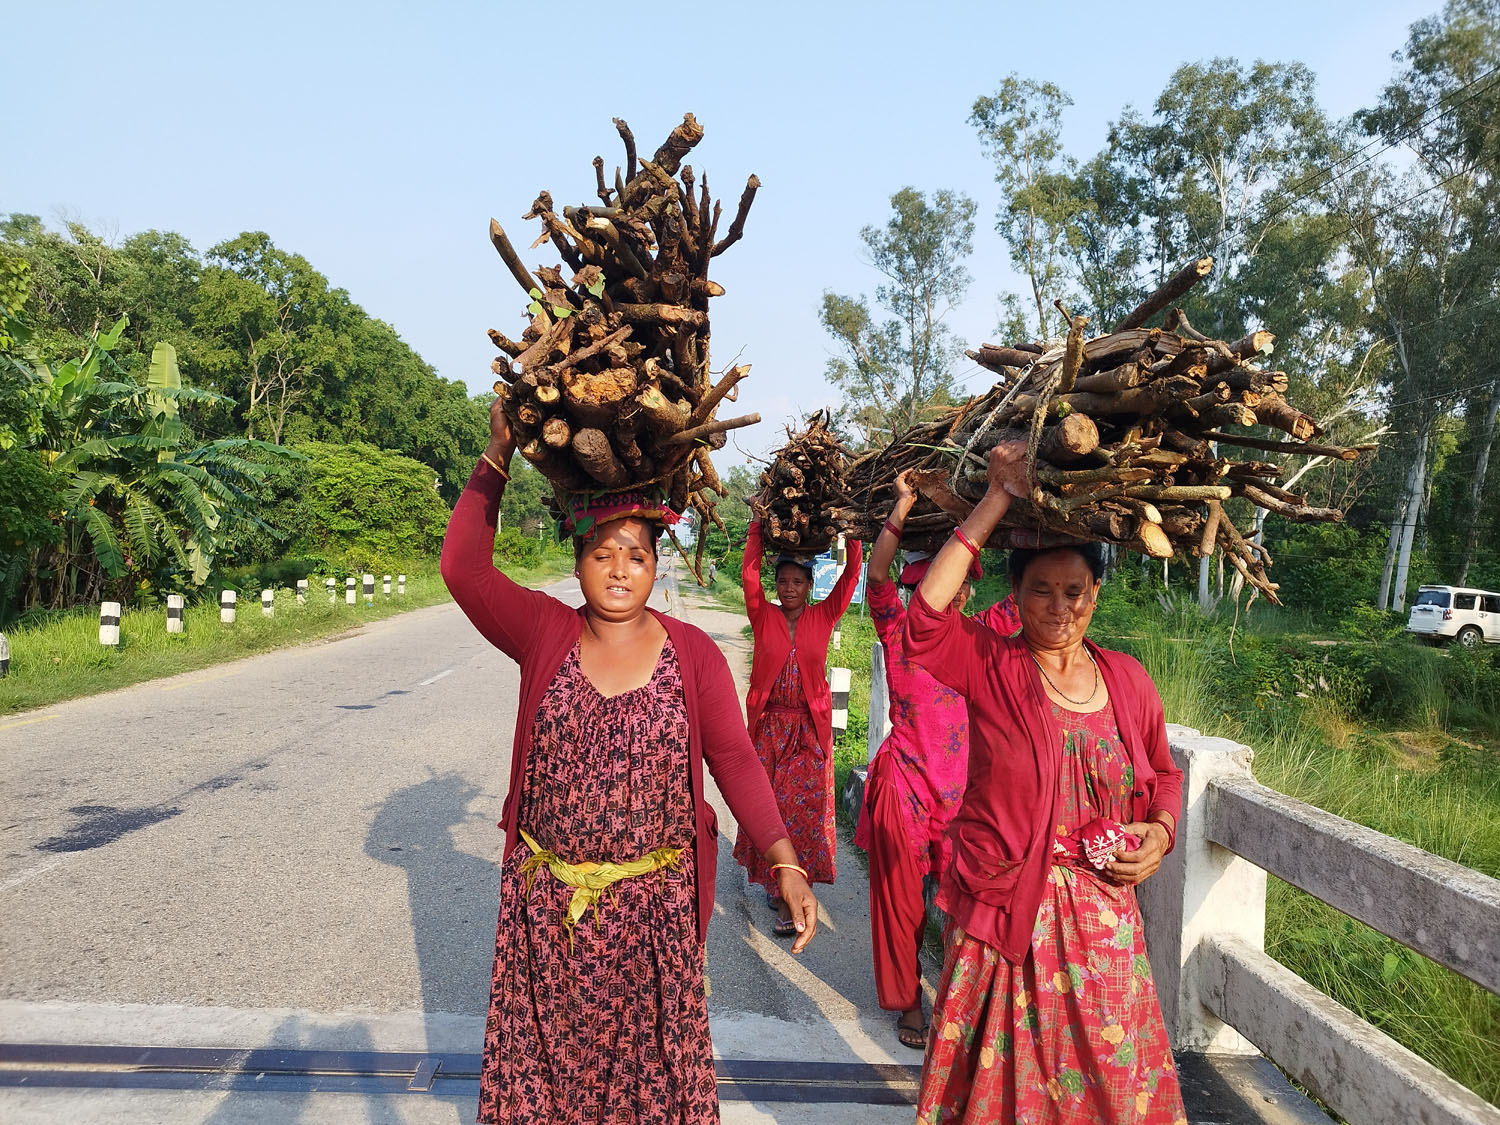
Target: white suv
pixel 1444 612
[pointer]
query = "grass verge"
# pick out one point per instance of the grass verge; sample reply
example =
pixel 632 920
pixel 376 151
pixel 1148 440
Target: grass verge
pixel 61 657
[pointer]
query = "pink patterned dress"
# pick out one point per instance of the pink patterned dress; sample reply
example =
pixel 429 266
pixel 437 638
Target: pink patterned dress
pixel 1074 1034
pixel 611 1029
pixel 928 746
pixel 801 774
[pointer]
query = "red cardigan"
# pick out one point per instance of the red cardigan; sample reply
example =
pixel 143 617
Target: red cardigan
pixel 538 631
pixel 773 638
pixel 1002 833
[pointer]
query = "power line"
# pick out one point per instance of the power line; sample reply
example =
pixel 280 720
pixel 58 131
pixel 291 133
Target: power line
pixel 1329 173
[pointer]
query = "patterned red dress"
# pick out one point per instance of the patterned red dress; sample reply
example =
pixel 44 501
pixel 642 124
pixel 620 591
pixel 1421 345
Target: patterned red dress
pixel 1074 1034
pixel 801 774
pixel 614 1029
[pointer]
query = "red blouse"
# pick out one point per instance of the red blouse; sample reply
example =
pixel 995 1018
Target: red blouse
pixel 1002 833
pixel 538 631
pixel 773 638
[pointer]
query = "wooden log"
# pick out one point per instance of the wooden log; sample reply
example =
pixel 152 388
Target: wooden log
pixel 1249 379
pixel 1072 350
pixel 1174 287
pixel 680 141
pixel 1153 540
pixel 1298 512
pixel 710 474
pixel 1257 342
pixel 698 433
pixel 556 433
pixel 737 227
pixel 547 394
pixel 598 397
pixel 717 394
pixel 592 450
pixel 1108 351
pixel 1182 523
pixel 1182 492
pixel 601 345
pixel 1229 414
pixel 663 316
pixel 997 358
pixel 1303 449
pixel 629 138
pixel 664 416
pixel 506 344
pixel 1120 378
pixel 511 259
pixel 1273 410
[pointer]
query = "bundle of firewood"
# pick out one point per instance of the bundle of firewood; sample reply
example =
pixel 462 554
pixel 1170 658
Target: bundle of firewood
pixel 1125 436
pixel 802 501
pixel 609 386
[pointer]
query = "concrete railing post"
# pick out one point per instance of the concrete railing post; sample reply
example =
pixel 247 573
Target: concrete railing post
pixel 880 702
pixel 1202 890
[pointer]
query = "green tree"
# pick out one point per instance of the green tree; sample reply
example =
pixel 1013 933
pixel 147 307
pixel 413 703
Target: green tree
pixel 1020 129
pixel 894 371
pixel 1430 244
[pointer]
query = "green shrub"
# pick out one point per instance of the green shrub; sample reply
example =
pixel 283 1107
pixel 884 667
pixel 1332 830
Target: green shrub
pixel 360 508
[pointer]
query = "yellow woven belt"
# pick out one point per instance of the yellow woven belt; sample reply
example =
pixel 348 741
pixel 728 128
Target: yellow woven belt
pixel 591 880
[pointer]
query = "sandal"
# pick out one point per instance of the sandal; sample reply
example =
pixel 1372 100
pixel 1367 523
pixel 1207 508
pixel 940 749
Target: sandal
pixel 912 1036
pixel 785 927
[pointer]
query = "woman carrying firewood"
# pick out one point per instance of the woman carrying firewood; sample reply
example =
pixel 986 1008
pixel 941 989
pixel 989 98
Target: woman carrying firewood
pixel 1046 1010
pixel 791 712
pixel 597 1006
pixel 916 780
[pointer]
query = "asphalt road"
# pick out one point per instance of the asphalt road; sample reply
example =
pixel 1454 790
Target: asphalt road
pixel 300 849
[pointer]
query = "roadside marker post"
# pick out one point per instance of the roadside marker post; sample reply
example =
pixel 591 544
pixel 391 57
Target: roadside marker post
pixel 174 613
pixel 109 623
pixel 226 607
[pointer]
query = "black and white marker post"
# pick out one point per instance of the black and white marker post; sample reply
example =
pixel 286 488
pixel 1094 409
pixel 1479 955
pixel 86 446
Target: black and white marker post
pixel 4 657
pixel 332 587
pixel 174 613
pixel 109 623
pixel 401 584
pixel 226 606
pixel 838 683
pixel 385 585
pixel 349 595
pixel 302 591
pixel 268 603
pixel 369 580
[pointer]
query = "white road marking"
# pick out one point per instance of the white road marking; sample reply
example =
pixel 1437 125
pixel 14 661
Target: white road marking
pixel 435 679
pixel 17 880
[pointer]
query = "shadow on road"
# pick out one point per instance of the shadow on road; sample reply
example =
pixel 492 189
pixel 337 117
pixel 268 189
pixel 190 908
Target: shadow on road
pixel 452 894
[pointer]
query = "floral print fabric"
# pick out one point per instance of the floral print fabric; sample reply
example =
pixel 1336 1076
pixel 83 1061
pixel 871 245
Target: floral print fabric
pixel 801 774
pixel 1074 1034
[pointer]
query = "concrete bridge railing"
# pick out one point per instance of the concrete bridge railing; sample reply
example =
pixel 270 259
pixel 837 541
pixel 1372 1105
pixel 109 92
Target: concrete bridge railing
pixel 1204 911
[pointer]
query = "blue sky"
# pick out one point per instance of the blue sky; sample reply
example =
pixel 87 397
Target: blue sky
pixel 378 139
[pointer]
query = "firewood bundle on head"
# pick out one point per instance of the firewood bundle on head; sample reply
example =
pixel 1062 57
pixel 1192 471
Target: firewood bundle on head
pixel 1125 436
pixel 803 504
pixel 609 387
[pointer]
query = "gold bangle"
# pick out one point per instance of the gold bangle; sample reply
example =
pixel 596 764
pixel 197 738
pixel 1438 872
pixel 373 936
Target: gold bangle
pixel 485 457
pixel 775 867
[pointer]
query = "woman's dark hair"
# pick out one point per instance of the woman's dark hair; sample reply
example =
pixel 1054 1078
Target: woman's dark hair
pixel 807 570
pixel 653 532
pixel 1021 558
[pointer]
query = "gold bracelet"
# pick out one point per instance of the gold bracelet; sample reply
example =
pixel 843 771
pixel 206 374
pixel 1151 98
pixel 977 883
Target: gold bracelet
pixel 485 457
pixel 775 867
